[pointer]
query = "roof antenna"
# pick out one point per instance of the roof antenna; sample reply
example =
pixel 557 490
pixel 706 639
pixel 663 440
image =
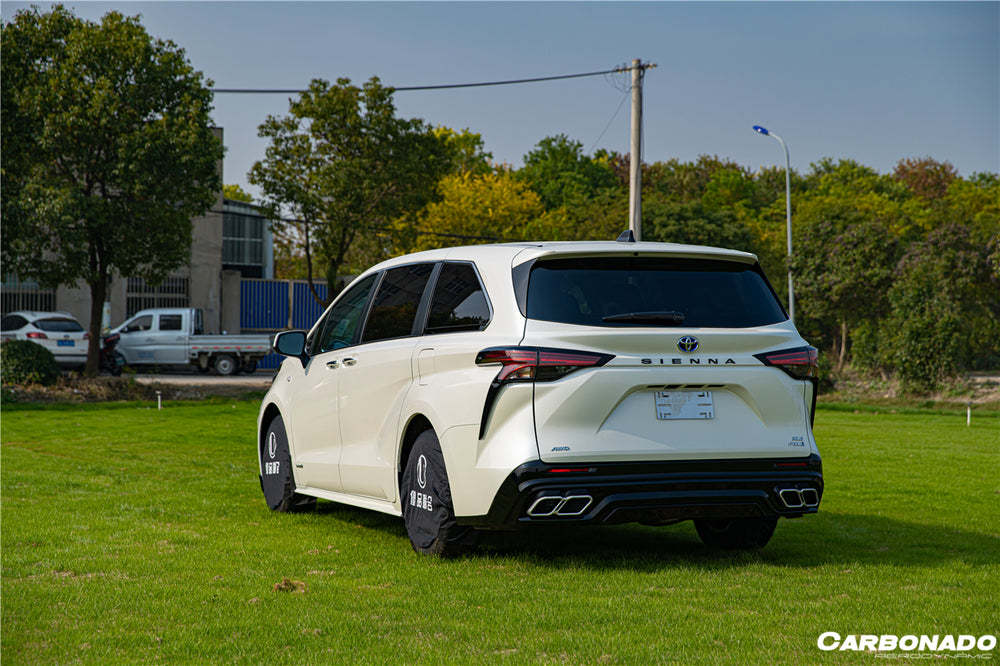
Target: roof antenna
pixel 626 237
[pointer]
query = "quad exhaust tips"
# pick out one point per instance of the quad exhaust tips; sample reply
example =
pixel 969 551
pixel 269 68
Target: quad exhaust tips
pixel 793 498
pixel 571 505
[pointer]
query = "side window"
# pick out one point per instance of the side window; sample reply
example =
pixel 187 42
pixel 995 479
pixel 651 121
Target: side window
pixel 170 322
pixel 459 302
pixel 341 322
pixel 395 307
pixel 143 323
pixel 12 322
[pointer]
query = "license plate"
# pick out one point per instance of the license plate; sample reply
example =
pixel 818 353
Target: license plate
pixel 66 343
pixel 676 405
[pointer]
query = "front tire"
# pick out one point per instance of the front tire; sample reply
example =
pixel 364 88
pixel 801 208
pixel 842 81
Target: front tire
pixel 736 533
pixel 276 479
pixel 428 511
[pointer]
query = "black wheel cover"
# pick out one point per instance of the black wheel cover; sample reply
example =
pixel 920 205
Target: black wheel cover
pixel 427 505
pixel 276 465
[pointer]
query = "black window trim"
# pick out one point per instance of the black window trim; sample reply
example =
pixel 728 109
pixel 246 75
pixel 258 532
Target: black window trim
pixel 425 316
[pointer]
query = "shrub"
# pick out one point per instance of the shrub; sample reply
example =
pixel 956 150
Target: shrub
pixel 25 362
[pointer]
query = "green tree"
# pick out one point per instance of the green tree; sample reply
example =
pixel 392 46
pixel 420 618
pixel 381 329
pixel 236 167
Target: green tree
pixel 692 223
pixel 945 309
pixel 562 175
pixel 467 149
pixel 476 209
pixel 842 279
pixel 344 167
pixel 236 193
pixel 107 152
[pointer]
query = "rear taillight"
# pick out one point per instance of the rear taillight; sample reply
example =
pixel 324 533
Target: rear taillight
pixel 86 336
pixel 532 364
pixel 37 336
pixel 800 363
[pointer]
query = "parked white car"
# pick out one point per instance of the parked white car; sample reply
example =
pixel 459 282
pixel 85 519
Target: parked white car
pixel 506 386
pixel 59 332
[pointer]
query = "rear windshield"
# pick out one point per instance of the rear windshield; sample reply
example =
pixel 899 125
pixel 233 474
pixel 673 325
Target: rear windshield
pixel 59 325
pixel 661 291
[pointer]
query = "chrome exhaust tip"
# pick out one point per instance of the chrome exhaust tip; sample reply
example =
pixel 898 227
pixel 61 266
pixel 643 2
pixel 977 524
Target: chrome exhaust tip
pixel 574 505
pixel 545 506
pixel 792 498
pixel 810 497
pixel 555 505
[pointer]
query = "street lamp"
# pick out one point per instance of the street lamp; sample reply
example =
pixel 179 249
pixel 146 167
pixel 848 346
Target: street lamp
pixel 788 213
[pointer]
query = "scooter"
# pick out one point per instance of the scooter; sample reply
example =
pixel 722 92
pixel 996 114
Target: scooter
pixel 111 361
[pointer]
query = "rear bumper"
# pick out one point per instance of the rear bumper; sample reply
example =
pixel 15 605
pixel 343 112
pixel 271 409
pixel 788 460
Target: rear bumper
pixel 537 493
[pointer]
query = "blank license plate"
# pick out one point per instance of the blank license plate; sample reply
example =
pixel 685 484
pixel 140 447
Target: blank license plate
pixel 66 343
pixel 674 405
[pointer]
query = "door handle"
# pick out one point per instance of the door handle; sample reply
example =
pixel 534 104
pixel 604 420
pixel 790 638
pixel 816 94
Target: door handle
pixel 333 365
pixel 351 360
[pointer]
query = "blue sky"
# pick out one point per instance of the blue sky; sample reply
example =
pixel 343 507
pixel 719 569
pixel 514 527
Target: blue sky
pixel 875 82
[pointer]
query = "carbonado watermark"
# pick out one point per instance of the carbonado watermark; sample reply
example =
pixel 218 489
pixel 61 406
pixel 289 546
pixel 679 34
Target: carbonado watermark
pixel 911 647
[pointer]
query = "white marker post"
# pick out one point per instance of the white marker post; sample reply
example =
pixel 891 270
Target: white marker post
pixel 159 405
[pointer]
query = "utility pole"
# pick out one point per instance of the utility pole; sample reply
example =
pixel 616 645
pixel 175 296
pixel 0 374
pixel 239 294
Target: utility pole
pixel 635 152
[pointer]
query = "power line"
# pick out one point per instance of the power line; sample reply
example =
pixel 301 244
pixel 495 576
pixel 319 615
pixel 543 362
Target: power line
pixel 265 91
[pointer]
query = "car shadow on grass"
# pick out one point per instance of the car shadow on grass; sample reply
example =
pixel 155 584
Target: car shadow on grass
pixel 826 539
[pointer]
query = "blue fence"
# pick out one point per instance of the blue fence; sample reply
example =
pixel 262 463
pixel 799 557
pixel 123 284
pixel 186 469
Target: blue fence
pixel 275 305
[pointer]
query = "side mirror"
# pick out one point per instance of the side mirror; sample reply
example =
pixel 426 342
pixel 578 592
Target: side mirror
pixel 291 343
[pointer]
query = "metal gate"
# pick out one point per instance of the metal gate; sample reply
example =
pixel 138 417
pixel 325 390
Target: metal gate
pixel 269 306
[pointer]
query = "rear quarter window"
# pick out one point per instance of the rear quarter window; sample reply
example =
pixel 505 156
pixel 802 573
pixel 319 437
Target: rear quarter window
pixel 459 302
pixel 707 293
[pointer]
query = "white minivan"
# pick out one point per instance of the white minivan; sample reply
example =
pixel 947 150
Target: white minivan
pixel 506 386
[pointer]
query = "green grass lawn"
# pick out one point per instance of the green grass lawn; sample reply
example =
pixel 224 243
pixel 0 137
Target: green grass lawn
pixel 134 535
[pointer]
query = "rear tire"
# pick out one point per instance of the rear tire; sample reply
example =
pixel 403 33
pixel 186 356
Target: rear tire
pixel 276 479
pixel 736 533
pixel 225 365
pixel 427 505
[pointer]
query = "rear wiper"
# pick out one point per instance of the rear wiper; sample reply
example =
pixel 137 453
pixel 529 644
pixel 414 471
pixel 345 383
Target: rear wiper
pixel 666 318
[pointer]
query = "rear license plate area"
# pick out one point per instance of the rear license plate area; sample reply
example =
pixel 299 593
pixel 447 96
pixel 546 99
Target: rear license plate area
pixel 684 405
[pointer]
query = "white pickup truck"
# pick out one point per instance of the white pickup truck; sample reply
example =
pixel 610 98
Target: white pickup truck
pixel 173 336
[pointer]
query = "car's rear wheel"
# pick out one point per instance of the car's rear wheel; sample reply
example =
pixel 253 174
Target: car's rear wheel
pixel 276 479
pixel 736 533
pixel 225 365
pixel 427 505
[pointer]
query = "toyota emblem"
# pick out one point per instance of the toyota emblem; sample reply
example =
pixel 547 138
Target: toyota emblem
pixel 688 344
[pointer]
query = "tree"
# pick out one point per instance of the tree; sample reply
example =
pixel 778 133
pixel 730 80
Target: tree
pixel 467 151
pixel 843 277
pixel 694 224
pixel 107 153
pixel 945 309
pixel 344 167
pixel 562 175
pixel 473 209
pixel 926 177
pixel 236 193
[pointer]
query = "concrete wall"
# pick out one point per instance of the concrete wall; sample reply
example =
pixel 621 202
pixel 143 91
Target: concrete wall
pixel 231 302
